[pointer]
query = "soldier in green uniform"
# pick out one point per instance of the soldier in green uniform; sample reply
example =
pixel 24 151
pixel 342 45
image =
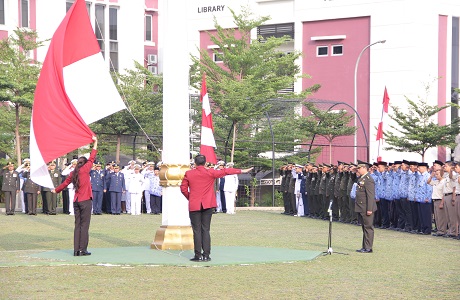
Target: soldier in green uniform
pixel 345 216
pixel 365 206
pixel 10 187
pixel 56 179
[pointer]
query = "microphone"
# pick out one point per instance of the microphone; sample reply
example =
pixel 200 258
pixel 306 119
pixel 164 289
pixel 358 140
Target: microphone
pixel 329 210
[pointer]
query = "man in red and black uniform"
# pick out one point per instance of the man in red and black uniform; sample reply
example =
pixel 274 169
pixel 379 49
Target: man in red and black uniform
pixel 198 187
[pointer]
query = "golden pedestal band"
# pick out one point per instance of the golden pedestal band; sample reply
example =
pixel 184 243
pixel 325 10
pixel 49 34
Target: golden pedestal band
pixel 173 238
pixel 170 237
pixel 172 174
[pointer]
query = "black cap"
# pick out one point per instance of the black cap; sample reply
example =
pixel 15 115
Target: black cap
pixel 363 164
pixel 382 163
pixel 413 163
pixel 397 162
pixel 406 162
pixel 438 162
pixel 423 164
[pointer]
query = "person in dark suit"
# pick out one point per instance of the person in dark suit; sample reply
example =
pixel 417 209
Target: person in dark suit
pixel 98 187
pixel 82 203
pixel 365 206
pixel 198 187
pixel 10 187
pixel 65 195
pixel 117 187
pixel 51 198
pixel 31 190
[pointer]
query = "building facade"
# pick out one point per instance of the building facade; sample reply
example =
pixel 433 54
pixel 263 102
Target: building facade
pixel 421 47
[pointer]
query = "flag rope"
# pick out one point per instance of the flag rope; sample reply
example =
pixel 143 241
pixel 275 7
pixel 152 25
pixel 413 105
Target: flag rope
pixel 128 108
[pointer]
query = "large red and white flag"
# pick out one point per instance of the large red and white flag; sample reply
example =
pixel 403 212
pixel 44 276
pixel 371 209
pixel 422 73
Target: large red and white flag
pixel 207 136
pixel 74 89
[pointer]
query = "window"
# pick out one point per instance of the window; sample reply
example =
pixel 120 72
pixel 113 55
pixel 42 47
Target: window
pixel 321 51
pixel 275 30
pixel 113 37
pixel 24 13
pixel 148 28
pixel 99 26
pixel 217 57
pixel 337 50
pixel 69 3
pixel 2 12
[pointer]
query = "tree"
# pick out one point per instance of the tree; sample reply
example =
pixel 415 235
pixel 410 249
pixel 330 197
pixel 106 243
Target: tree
pixel 251 73
pixel 143 94
pixel 328 124
pixel 417 129
pixel 18 78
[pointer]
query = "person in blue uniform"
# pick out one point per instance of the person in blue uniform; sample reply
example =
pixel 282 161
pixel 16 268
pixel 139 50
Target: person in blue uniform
pixel 116 187
pixel 423 197
pixel 406 216
pixel 413 177
pixel 98 187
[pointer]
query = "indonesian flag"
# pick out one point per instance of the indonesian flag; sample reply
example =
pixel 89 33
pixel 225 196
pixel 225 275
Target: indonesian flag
pixel 386 100
pixel 74 89
pixel 207 137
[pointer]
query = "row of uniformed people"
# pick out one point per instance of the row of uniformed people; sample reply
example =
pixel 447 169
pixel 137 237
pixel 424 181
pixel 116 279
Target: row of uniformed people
pixel 107 181
pixel 404 194
pixel 308 190
pixel 122 191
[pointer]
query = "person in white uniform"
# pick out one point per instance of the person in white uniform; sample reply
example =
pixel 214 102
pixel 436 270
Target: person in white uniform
pixel 230 189
pixel 146 173
pixel 298 195
pixel 135 187
pixel 66 172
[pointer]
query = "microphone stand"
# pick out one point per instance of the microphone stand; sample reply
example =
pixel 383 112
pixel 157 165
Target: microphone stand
pixel 329 241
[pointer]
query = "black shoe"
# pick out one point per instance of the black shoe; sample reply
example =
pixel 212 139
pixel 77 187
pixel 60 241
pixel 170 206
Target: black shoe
pixel 196 258
pixel 84 253
pixel 76 253
pixel 360 250
pixel 206 258
pixel 365 250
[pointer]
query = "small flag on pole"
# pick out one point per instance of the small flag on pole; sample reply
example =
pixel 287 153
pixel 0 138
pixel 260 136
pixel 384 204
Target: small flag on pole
pixel 380 131
pixel 207 136
pixel 386 100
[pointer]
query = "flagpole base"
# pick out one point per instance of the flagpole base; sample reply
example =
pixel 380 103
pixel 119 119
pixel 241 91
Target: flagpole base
pixel 173 238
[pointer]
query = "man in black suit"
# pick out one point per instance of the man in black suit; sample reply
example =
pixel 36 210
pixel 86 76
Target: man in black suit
pixel 365 206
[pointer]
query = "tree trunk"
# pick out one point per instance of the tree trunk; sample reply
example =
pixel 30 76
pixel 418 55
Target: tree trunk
pixel 18 138
pixel 330 152
pixel 233 142
pixel 117 154
pixel 253 195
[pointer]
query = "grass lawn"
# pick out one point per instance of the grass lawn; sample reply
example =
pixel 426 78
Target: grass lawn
pixel 403 266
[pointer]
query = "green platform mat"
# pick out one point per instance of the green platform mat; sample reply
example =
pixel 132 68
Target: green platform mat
pixel 221 255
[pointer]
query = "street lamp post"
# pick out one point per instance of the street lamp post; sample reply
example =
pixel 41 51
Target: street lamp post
pixel 356 97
